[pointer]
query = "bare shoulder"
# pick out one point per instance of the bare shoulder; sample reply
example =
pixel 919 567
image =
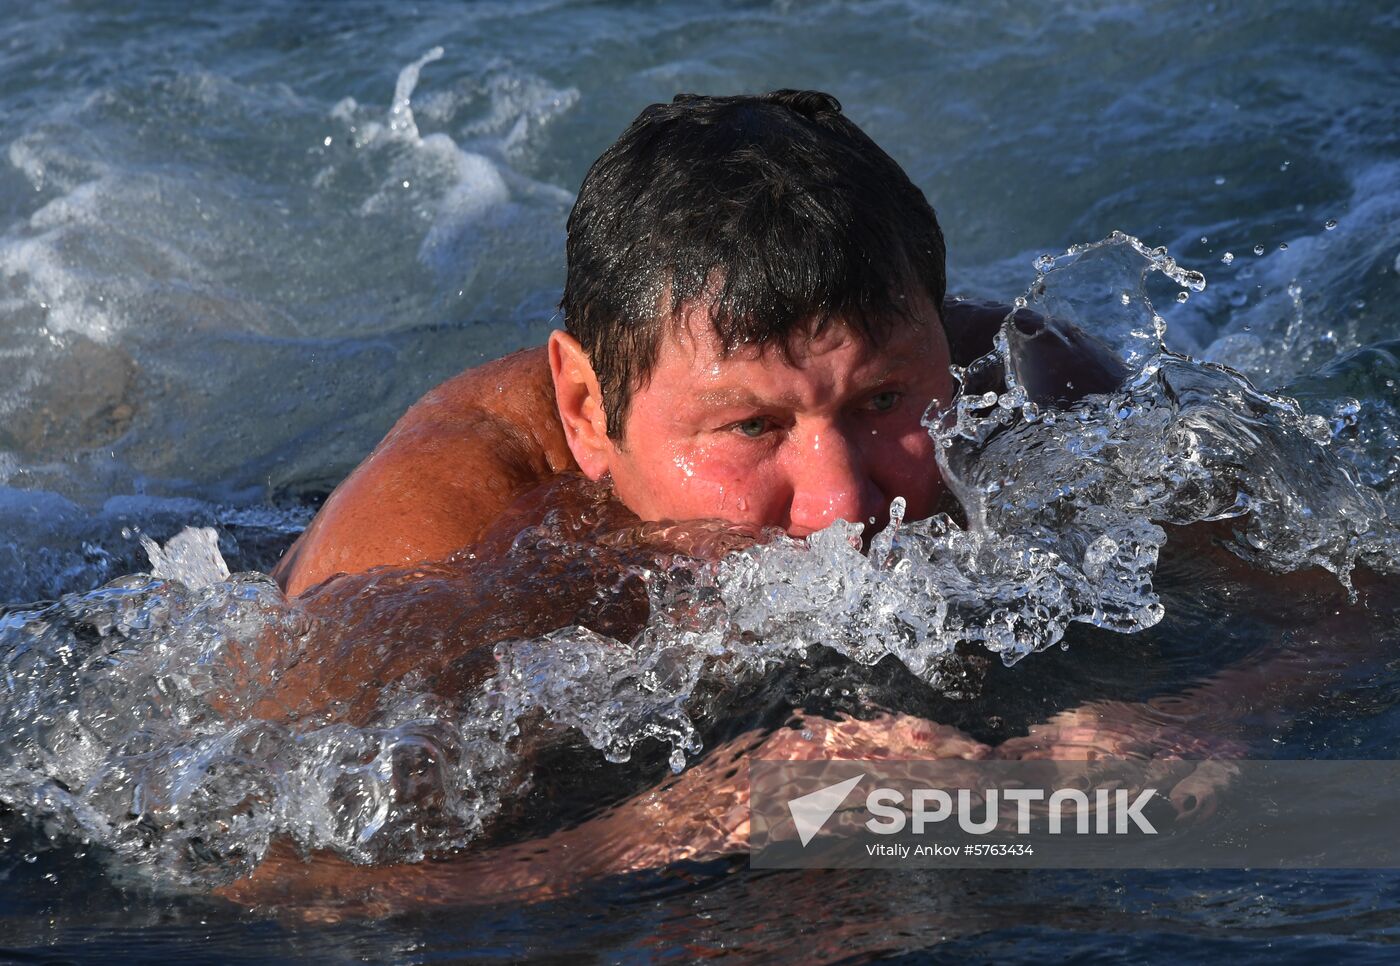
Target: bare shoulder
pixel 454 461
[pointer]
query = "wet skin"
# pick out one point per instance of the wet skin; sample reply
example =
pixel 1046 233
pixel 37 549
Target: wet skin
pixel 829 429
pixel 442 475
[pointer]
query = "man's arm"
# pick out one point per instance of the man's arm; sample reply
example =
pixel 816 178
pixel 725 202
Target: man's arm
pixel 448 468
pixel 701 814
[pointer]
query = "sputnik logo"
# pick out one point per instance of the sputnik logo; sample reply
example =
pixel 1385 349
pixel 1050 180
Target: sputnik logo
pixel 810 811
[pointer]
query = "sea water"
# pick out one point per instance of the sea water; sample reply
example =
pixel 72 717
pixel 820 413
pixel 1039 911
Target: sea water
pixel 236 243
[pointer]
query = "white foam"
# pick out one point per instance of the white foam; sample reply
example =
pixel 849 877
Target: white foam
pixel 488 226
pixel 401 122
pixel 191 556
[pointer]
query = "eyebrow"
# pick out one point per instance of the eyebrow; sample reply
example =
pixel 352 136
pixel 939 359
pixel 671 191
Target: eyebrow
pixel 745 398
pixel 741 398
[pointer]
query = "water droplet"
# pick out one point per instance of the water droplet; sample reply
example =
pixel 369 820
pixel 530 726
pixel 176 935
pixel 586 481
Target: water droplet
pixel 1204 240
pixel 1125 298
pixel 1284 166
pixel 1219 179
pixel 1228 258
pixel 1258 249
pixel 1329 224
pixel 1020 302
pixel 1182 296
pixel 405 184
pixel 328 140
pixel 1283 246
pixel 1044 263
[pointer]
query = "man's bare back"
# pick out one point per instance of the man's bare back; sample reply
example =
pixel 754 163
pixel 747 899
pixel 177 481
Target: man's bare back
pixel 449 467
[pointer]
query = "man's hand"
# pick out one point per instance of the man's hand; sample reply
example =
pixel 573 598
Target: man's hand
pixel 1116 730
pixel 1194 763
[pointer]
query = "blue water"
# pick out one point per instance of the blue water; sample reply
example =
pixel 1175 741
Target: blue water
pixel 223 274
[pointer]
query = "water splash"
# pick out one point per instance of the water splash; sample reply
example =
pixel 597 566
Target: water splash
pixel 401 121
pixel 483 217
pixel 1183 442
pixel 191 557
pixel 151 715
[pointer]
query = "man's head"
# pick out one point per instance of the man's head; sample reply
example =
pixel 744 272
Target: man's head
pixel 752 317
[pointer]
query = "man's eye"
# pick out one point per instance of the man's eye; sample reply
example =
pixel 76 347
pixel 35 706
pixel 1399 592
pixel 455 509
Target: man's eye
pixel 884 402
pixel 752 428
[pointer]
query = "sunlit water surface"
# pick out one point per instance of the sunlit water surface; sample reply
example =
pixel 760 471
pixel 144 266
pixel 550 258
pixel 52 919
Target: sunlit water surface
pixel 236 243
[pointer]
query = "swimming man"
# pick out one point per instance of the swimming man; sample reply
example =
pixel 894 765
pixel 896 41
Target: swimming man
pixel 755 324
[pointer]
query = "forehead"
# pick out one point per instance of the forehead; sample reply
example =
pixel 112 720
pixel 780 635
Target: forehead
pixel 690 343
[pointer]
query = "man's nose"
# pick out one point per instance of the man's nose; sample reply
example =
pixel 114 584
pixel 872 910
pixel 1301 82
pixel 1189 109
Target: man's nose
pixel 830 482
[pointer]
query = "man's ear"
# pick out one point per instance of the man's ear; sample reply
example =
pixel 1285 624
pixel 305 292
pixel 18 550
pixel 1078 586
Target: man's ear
pixel 580 401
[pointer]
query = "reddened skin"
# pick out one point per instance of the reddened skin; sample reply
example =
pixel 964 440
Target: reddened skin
pixel 580 401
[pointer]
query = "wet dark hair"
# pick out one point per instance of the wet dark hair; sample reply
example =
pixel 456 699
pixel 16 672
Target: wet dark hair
pixel 775 208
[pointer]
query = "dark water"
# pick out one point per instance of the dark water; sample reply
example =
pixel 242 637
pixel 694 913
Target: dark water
pixel 224 271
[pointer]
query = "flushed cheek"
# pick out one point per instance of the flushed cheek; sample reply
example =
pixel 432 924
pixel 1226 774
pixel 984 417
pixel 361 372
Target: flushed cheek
pixel 905 466
pixel 704 482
